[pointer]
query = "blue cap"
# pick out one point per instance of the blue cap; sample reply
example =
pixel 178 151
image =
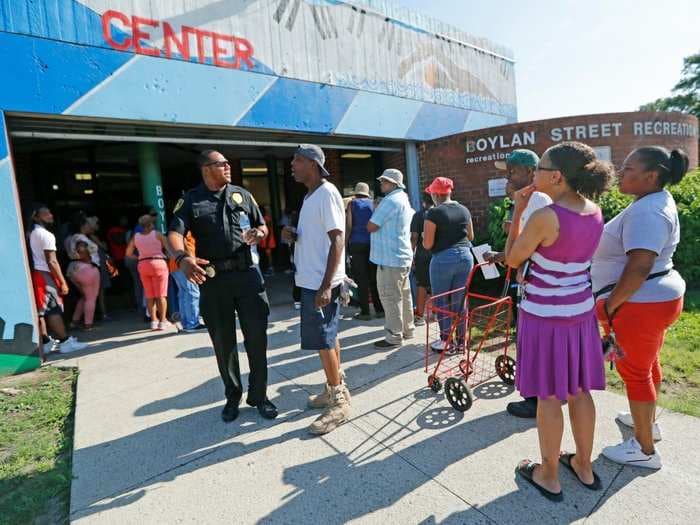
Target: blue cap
pixel 313 152
pixel 519 157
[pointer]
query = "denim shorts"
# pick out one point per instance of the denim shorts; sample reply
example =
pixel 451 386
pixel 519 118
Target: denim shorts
pixel 319 332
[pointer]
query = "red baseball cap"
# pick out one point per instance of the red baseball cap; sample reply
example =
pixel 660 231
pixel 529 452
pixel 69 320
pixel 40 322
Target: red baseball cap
pixel 440 186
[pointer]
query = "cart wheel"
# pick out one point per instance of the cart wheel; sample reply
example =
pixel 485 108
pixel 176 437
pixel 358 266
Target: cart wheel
pixel 458 394
pixel 505 368
pixel 434 384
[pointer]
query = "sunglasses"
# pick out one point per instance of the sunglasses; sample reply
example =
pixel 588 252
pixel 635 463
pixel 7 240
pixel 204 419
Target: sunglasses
pixel 218 163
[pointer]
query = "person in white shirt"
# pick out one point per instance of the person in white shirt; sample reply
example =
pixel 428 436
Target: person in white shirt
pixel 639 293
pixel 49 284
pixel 319 259
pixel 520 165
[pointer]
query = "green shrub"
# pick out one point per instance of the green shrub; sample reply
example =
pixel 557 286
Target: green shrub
pixel 687 257
pixel 613 202
pixel 499 211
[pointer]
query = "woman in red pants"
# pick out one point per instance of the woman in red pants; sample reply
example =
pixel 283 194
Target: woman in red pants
pixel 639 294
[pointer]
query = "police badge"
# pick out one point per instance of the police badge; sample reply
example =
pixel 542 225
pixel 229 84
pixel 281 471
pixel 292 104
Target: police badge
pixel 237 198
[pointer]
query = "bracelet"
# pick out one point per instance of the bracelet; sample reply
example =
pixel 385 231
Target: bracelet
pixel 179 258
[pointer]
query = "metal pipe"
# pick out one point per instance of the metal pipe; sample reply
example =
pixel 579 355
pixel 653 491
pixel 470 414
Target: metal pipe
pixel 178 140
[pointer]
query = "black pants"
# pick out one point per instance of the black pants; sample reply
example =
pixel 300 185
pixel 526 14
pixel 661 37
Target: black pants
pixel 364 273
pixel 222 297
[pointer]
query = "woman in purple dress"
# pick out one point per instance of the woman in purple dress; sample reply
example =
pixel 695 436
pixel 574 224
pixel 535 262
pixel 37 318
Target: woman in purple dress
pixel 559 347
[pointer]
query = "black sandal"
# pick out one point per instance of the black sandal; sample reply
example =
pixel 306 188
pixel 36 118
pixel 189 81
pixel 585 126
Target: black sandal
pixel 526 468
pixel 565 459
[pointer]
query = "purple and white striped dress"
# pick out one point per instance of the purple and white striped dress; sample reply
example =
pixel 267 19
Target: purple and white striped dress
pixel 559 350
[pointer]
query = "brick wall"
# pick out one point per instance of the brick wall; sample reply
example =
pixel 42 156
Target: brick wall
pixel 333 167
pixel 394 159
pixel 448 157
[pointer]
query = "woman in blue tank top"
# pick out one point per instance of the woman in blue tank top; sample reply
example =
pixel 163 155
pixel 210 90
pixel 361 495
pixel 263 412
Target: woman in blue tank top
pixel 362 270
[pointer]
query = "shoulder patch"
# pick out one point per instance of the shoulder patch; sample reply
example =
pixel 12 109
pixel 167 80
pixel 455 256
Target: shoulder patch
pixel 253 200
pixel 178 205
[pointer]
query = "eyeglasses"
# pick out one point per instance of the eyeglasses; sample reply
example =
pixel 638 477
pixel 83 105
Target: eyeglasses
pixel 218 163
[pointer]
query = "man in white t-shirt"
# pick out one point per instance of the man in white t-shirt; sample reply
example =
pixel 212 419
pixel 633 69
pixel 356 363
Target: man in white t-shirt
pixel 49 284
pixel 520 166
pixel 319 258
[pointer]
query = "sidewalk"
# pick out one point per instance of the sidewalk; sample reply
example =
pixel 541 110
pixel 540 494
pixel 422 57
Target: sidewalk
pixel 150 446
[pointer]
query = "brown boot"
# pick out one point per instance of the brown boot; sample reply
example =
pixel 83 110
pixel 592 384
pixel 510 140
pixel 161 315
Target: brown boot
pixel 323 399
pixel 335 415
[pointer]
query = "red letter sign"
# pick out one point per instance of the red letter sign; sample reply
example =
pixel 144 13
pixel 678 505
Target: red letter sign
pixel 107 17
pixel 136 21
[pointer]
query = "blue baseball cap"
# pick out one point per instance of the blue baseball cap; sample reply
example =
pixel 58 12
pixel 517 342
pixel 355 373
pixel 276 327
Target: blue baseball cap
pixel 315 153
pixel 518 157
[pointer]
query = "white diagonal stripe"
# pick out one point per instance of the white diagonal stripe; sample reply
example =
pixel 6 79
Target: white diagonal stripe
pixel 560 281
pixel 556 292
pixel 559 310
pixel 556 266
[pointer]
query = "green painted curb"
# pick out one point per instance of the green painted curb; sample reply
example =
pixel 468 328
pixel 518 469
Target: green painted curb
pixel 16 364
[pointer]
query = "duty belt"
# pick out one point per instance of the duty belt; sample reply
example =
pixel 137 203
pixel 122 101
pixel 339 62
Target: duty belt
pixel 226 265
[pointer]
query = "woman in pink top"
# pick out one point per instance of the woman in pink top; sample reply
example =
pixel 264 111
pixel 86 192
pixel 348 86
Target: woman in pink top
pixel 153 269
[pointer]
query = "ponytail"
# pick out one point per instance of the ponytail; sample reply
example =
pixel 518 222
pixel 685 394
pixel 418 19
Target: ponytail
pixel 671 167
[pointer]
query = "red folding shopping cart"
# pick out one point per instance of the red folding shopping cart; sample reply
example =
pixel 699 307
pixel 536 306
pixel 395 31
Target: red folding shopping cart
pixel 470 333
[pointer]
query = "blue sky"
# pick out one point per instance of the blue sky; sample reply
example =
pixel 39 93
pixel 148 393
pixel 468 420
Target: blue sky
pixel 580 57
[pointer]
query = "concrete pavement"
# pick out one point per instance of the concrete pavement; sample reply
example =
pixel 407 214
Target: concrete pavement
pixel 150 446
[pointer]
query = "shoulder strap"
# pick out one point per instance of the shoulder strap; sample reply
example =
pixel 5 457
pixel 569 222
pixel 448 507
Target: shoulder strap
pixel 611 287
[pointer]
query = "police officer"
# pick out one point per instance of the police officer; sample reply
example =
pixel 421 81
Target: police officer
pixel 226 222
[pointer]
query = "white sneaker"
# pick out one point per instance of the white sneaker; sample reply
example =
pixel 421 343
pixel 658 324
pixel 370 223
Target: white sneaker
pixel 51 346
pixel 630 453
pixel 297 305
pixel 154 325
pixel 626 419
pixel 71 345
pixel 164 325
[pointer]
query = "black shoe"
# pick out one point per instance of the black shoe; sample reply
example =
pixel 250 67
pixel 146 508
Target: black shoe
pixel 230 411
pixel 198 328
pixel 383 343
pixel 266 409
pixel 527 408
pixel 362 317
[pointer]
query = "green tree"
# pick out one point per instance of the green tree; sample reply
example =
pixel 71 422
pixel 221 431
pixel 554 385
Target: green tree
pixel 686 93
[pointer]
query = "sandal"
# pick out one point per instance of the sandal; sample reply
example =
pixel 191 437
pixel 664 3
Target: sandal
pixel 565 459
pixel 526 468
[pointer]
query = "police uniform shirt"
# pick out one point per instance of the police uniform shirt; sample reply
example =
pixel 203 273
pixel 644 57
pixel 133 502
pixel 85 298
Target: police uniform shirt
pixel 214 218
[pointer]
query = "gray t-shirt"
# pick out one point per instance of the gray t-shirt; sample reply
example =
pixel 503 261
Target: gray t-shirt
pixel 650 223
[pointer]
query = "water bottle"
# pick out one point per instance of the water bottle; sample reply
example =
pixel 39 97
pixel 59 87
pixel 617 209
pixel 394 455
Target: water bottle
pixel 244 222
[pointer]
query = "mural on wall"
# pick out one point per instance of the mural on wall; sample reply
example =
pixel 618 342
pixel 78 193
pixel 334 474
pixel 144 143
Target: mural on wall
pixel 372 46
